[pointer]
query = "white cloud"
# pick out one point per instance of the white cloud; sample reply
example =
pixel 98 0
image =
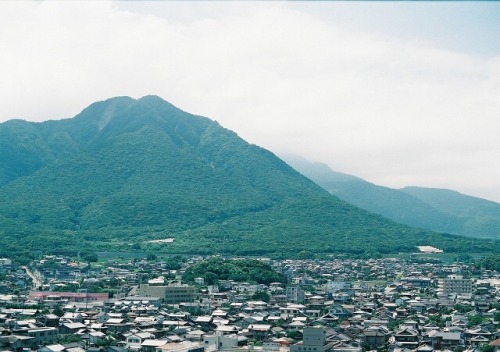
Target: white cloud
pixel 389 109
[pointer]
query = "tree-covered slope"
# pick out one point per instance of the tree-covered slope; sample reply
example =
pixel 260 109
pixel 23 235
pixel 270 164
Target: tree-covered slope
pixel 480 217
pixel 437 210
pixel 124 172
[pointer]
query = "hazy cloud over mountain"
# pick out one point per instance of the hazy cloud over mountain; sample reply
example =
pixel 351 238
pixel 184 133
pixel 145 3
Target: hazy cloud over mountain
pixel 351 85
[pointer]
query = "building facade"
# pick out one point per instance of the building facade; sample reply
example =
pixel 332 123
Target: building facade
pixel 170 294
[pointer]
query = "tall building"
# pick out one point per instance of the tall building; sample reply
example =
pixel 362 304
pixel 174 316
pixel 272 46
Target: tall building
pixel 171 294
pixel 295 294
pixel 314 339
pixel 456 284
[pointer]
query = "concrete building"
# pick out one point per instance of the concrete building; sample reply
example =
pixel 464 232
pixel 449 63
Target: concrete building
pixel 171 294
pixel 295 294
pixel 456 284
pixel 314 339
pixel 220 341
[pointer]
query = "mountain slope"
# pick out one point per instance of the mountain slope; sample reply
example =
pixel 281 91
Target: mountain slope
pixel 437 210
pixel 126 171
pixel 480 217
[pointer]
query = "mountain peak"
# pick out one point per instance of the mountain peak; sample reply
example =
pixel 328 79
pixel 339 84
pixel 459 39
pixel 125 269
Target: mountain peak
pixel 134 170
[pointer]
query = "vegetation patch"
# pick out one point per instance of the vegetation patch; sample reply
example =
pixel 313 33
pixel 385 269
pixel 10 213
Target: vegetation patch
pixel 239 270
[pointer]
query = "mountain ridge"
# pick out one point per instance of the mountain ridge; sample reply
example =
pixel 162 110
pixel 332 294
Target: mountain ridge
pixel 435 209
pixel 125 171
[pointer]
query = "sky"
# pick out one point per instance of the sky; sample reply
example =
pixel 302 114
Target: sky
pixel 397 93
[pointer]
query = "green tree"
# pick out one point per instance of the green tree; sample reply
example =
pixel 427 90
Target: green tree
pixel 474 320
pixel 151 257
pixel 261 295
pixel 486 348
pixel 58 311
pixel 89 257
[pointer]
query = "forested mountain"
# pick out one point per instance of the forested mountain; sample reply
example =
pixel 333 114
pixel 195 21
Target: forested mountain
pixel 125 172
pixel 434 209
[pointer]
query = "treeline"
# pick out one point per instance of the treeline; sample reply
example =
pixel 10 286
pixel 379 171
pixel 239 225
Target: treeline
pixel 240 270
pixel 491 262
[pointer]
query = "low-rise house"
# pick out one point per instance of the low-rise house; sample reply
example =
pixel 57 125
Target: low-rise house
pixel 17 343
pixel 407 337
pixel 296 325
pixel 226 329
pixel 495 344
pixel 375 322
pixel 93 337
pixel 477 341
pixel 150 345
pixel 134 341
pixel 223 342
pixel 71 328
pixel 291 309
pixel 40 335
pixel 339 311
pixel 446 340
pixel 184 346
pixel 195 335
pixel 50 320
pixel 375 336
pixel 52 348
pixel 259 331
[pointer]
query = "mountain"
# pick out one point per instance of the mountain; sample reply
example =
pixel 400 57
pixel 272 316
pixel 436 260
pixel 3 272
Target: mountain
pixel 480 217
pixel 125 173
pixel 434 209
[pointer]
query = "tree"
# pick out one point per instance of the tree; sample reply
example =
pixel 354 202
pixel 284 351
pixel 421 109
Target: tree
pixel 58 311
pixel 463 308
pixel 486 348
pixel 475 320
pixel 89 257
pixel 151 257
pixel 261 296
pixel 292 334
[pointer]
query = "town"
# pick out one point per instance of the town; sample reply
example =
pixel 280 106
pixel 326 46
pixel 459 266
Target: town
pixel 61 303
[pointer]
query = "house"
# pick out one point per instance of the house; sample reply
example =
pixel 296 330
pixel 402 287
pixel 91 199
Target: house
pixel 74 317
pixel 49 320
pixel 184 346
pixel 52 348
pixel 149 345
pixel 16 343
pixel 339 311
pixel 407 337
pixel 495 344
pixel 204 320
pixel 291 309
pixel 41 335
pixel 476 341
pixel 375 336
pixel 134 341
pixel 296 325
pixel 226 329
pixel 223 342
pixel 445 340
pixel 70 328
pixel 259 331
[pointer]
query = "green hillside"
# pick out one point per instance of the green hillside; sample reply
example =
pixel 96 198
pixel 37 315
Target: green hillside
pixel 124 172
pixel 433 209
pixel 480 217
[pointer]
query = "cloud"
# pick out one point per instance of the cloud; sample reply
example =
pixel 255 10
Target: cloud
pixel 393 110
